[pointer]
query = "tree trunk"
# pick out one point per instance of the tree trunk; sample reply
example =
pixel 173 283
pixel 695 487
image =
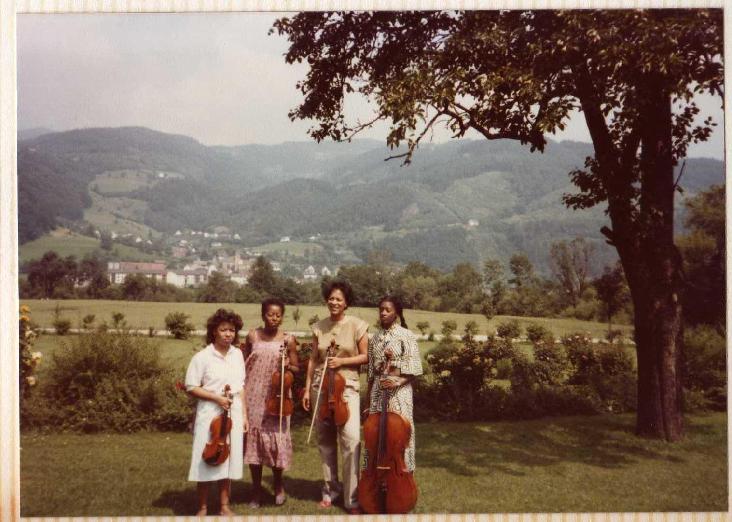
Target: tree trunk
pixel 655 277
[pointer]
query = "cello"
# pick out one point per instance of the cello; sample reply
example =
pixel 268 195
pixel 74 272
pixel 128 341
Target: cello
pixel 279 402
pixel 333 405
pixel 386 486
pixel 217 448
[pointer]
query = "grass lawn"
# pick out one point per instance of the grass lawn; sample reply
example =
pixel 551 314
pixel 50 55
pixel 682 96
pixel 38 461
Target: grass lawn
pixel 144 314
pixel 570 464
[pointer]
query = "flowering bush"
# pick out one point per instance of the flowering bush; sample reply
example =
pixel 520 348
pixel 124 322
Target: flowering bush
pixel 28 358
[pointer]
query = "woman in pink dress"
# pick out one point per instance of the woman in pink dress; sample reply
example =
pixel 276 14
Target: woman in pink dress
pixel 265 444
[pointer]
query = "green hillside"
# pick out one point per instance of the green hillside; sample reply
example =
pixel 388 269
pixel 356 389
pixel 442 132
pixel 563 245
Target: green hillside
pixel 67 243
pixel 465 200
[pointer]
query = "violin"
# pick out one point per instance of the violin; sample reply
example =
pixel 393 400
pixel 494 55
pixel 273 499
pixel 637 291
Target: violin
pixel 280 401
pixel 386 486
pixel 217 448
pixel 333 405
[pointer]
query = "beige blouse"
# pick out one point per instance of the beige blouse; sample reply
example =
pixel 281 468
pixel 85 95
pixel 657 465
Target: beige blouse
pixel 346 332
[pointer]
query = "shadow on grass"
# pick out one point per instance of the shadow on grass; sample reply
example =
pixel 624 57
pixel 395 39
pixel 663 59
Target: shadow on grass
pixel 184 502
pixel 513 448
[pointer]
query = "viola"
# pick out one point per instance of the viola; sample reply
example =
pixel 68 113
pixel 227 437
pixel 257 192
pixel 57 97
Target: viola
pixel 280 401
pixel 386 486
pixel 333 406
pixel 217 448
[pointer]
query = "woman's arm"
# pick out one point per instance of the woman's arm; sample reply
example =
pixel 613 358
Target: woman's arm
pixel 199 393
pixel 356 360
pixel 294 361
pixel 309 376
pixel 244 413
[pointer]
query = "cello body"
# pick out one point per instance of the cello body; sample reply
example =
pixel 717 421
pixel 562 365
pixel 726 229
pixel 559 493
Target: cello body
pixel 386 486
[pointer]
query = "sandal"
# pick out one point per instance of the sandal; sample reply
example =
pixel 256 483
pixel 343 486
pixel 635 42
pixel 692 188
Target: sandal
pixel 325 503
pixel 202 512
pixel 280 498
pixel 225 511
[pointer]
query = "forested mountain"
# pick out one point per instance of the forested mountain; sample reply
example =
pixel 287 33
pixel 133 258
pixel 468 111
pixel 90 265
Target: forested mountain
pixel 459 201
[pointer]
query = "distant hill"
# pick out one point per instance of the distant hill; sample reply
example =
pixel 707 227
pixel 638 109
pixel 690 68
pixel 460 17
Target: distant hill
pixel 464 200
pixel 29 134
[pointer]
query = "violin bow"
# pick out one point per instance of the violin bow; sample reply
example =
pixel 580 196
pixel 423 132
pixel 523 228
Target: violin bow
pixel 282 383
pixel 320 388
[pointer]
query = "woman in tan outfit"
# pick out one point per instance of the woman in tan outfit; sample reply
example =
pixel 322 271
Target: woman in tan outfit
pixel 349 333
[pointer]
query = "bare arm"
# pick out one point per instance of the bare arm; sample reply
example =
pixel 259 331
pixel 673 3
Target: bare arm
pixel 309 376
pixel 356 360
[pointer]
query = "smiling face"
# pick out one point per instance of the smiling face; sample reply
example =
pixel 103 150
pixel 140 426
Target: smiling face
pixel 272 317
pixel 224 335
pixel 337 303
pixel 387 314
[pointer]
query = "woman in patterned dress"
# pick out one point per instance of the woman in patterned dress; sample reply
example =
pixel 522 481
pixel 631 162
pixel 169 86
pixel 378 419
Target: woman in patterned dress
pixel 406 364
pixel 210 370
pixel 264 444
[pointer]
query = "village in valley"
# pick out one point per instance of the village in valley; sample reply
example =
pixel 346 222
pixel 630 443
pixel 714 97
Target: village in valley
pixel 197 254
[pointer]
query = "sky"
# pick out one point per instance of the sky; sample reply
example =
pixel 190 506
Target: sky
pixel 217 77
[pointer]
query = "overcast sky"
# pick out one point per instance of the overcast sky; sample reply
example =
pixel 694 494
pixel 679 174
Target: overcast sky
pixel 218 78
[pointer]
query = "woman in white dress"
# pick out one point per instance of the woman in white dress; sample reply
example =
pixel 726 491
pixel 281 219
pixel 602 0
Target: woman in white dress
pixel 210 370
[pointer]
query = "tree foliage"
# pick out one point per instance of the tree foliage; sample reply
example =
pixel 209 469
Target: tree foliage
pixel 519 75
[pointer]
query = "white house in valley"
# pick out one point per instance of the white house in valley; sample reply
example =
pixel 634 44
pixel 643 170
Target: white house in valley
pixel 117 271
pixel 188 277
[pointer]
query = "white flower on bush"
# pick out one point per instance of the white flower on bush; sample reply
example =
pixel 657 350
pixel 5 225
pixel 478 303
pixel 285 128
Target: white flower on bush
pixel 36 356
pixel 31 380
pixel 430 357
pixel 445 373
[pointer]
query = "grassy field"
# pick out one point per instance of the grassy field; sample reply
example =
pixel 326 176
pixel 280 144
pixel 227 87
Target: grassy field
pixel 145 314
pixel 572 464
pixel 67 243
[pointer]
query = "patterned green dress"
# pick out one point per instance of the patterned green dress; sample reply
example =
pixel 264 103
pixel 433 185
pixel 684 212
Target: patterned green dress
pixel 405 357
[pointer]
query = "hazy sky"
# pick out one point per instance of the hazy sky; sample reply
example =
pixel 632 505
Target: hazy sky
pixel 218 78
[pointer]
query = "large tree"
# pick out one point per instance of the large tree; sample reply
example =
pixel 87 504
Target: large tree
pixel 519 75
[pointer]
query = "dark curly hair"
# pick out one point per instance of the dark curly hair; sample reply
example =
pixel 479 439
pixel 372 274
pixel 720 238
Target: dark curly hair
pixel 338 284
pixel 270 301
pixel 223 315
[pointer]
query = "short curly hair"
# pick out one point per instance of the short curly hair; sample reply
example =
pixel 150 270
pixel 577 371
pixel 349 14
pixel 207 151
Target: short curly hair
pixel 223 315
pixel 272 301
pixel 338 284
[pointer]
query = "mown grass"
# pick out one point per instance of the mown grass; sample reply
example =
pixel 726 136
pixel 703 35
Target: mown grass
pixel 571 464
pixel 66 243
pixel 145 314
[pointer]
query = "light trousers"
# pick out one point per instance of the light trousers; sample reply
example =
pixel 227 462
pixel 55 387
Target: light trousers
pixel 348 439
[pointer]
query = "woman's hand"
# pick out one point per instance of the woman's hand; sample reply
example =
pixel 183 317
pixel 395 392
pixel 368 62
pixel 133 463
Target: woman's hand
pixel 246 425
pixel 306 402
pixel 389 383
pixel 335 362
pixel 224 402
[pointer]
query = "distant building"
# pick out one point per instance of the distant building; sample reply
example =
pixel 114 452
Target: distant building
pixel 179 251
pixel 285 239
pixel 188 278
pixel 325 271
pixel 117 271
pixel 473 222
pixel 276 267
pixel 309 274
pixel 240 279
